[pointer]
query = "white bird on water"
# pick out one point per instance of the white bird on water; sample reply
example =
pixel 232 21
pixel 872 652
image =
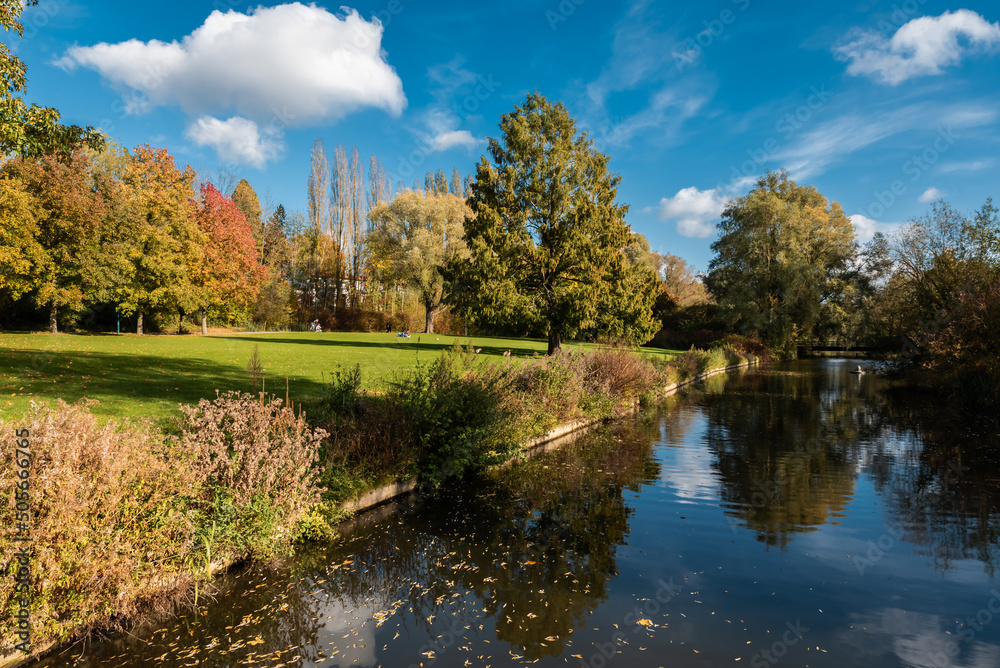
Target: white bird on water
pixel 859 371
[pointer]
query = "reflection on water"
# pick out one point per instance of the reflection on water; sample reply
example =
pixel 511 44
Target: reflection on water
pixel 797 514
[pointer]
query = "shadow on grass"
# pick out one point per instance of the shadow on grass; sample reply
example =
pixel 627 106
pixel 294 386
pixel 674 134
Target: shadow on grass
pixel 124 382
pixel 394 342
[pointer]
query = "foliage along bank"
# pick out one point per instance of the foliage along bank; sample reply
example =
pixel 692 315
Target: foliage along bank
pixel 124 518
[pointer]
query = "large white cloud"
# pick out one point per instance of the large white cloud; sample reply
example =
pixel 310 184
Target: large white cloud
pixel 290 65
pixel 922 46
pixel 694 210
pixel 236 140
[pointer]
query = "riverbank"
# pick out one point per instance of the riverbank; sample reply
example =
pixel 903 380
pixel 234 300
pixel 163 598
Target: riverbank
pixel 230 518
pixel 377 496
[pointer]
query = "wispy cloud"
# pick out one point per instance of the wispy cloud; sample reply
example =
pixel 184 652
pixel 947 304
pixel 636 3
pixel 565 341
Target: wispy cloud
pixel 834 140
pixel 640 62
pixel 921 47
pixel 458 94
pixel 971 166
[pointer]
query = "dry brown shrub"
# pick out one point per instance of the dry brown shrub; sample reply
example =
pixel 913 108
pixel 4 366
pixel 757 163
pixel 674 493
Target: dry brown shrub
pixel 620 372
pixel 106 522
pixel 253 447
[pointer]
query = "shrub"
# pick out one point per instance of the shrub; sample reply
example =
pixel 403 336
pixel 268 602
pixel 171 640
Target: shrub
pixel 254 458
pixel 620 372
pixel 370 437
pixel 549 389
pixel 746 345
pixel 460 416
pixel 106 519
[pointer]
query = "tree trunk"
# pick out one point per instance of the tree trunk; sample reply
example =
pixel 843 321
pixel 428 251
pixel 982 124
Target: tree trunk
pixel 53 323
pixel 138 326
pixel 180 321
pixel 204 322
pixel 429 327
pixel 555 341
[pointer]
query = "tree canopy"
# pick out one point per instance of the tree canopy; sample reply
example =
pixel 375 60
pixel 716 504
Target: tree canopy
pixel 418 235
pixel 64 243
pixel 31 131
pixel 777 260
pixel 546 237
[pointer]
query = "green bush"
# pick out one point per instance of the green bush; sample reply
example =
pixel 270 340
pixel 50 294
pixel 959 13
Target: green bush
pixel 459 415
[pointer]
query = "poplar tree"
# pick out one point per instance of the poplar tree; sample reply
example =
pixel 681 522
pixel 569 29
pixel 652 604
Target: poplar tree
pixel 547 238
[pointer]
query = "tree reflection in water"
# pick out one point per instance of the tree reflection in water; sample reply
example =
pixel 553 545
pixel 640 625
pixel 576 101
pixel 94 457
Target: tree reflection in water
pixel 533 545
pixel 788 462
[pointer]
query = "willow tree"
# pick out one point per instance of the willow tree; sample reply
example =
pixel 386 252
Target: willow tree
pixel 418 235
pixel 547 238
pixel 778 258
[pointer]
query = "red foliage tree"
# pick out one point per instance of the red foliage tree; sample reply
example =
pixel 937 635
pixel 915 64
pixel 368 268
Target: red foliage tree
pixel 230 275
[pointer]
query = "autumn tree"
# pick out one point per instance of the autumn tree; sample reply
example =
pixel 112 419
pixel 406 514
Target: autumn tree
pixel 779 251
pixel 66 229
pixel 31 131
pixel 547 237
pixel 229 276
pixel 20 251
pixel 680 280
pixel 944 252
pixel 247 201
pixel 159 241
pixel 419 235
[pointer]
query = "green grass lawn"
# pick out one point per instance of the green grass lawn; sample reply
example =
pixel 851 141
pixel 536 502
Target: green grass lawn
pixel 149 376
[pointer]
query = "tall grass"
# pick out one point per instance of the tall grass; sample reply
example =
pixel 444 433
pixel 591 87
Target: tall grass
pixel 123 517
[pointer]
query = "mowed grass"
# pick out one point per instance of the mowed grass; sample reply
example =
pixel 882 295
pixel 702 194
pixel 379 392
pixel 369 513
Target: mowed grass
pixel 149 376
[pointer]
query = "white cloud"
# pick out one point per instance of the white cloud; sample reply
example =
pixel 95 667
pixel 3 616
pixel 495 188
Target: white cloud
pixel 930 195
pixel 864 227
pixel 694 210
pixel 972 166
pixel 923 46
pixel 236 140
pixel 827 143
pixel 291 64
pixel 442 131
pixel 452 138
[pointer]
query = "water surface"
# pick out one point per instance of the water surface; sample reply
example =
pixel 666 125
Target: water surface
pixel 796 515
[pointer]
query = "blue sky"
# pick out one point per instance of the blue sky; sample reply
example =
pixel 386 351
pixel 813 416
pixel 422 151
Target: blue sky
pixel 883 106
